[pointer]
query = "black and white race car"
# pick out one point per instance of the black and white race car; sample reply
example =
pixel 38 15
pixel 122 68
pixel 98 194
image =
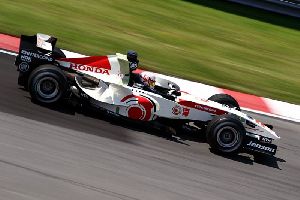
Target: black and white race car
pixel 103 83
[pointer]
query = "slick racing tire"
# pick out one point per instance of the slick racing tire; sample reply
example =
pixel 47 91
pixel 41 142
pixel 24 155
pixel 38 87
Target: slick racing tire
pixel 225 134
pixel 47 84
pixel 225 99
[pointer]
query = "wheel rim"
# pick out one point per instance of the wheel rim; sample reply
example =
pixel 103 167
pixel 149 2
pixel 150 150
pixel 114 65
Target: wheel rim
pixel 47 87
pixel 228 137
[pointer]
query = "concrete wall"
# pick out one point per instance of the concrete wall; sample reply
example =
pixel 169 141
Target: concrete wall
pixel 285 7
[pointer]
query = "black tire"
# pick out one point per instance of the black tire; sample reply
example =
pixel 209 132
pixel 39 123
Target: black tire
pixel 47 84
pixel 225 134
pixel 57 53
pixel 226 100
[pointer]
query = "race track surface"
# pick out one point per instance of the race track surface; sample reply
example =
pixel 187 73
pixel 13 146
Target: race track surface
pixel 54 153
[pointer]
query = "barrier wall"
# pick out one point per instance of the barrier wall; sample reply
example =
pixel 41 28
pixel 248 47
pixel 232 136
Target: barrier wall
pixel 285 7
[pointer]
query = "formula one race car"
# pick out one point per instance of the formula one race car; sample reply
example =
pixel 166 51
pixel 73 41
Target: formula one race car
pixel 103 82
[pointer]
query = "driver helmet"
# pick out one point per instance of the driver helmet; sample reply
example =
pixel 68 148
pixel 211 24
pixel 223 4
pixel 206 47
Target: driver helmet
pixel 149 80
pixel 132 58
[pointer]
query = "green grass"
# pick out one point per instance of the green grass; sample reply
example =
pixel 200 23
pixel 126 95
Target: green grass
pixel 180 38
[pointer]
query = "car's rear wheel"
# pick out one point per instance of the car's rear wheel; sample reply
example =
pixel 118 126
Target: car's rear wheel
pixel 225 134
pixel 47 84
pixel 226 100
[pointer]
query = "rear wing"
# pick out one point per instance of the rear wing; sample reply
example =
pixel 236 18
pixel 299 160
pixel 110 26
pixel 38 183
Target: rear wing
pixel 34 51
pixel 38 42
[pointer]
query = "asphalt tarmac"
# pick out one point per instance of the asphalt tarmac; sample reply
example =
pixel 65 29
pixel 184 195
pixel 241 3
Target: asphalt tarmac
pixel 56 153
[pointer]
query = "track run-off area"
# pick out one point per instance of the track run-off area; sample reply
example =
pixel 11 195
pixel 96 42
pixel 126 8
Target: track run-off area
pixel 56 153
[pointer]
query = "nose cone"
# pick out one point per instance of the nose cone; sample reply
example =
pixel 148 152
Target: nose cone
pixel 272 134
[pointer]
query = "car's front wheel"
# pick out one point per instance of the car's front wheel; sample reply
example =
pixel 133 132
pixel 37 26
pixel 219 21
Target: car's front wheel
pixel 225 134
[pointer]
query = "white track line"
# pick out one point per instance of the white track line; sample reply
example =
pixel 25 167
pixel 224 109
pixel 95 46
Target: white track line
pixel 270 114
pixel 8 52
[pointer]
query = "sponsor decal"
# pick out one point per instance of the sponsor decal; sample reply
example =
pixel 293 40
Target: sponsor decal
pixel 89 68
pixel 265 140
pixel 36 55
pixel 92 61
pixel 39 42
pixel 186 112
pixel 206 108
pixel 261 147
pixel 23 67
pixel 176 110
pixel 95 64
pixel 201 107
pixel 25 58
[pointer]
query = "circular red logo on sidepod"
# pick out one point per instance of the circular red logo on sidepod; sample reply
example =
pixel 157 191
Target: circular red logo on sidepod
pixel 139 107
